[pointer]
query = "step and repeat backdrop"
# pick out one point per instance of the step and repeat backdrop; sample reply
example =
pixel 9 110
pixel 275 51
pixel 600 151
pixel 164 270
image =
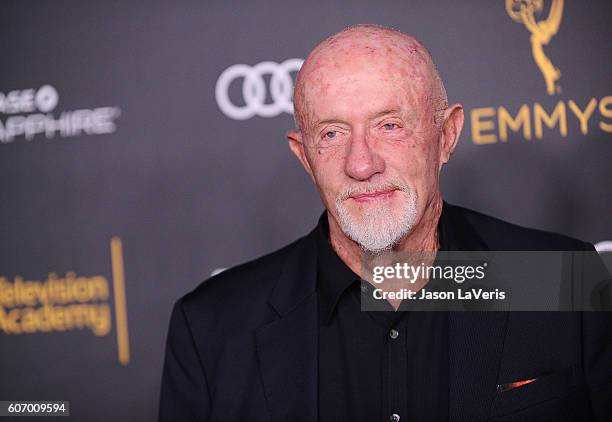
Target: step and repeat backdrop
pixel 142 147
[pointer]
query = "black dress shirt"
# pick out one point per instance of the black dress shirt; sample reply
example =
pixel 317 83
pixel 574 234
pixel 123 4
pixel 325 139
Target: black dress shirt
pixel 376 366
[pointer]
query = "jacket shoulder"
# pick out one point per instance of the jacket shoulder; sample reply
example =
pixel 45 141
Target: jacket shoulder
pixel 503 235
pixel 241 287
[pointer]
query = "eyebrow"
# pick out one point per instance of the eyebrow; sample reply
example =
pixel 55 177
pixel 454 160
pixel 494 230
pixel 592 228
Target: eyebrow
pixel 375 116
pixel 328 121
pixel 386 112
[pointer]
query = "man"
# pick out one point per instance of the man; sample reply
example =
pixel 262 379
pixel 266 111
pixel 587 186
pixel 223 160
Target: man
pixel 283 338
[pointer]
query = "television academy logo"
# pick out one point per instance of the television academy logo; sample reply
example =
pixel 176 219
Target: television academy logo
pixel 74 302
pixel 30 115
pixel 254 90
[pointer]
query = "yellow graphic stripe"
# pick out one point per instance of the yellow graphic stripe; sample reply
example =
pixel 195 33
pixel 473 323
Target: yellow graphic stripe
pixel 123 343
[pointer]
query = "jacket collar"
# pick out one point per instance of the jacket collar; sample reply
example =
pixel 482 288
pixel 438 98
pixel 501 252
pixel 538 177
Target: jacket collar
pixel 456 233
pixel 297 280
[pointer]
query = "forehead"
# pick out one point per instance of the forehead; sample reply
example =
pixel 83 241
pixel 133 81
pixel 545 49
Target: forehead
pixel 353 84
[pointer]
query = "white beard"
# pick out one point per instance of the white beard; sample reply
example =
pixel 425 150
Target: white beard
pixel 378 228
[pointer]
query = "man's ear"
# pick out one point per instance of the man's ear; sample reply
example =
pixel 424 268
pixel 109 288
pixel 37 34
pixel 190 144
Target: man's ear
pixel 296 143
pixel 451 129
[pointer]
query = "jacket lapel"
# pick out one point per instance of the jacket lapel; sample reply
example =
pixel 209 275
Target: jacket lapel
pixel 287 348
pixel 476 342
pixel 475 339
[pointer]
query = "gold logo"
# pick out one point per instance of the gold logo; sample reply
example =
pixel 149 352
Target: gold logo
pixel 60 303
pixel 525 11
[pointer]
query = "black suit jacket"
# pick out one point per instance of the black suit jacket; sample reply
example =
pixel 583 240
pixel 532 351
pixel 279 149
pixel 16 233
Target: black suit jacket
pixel 243 345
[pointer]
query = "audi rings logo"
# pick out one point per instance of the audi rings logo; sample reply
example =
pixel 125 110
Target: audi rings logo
pixel 254 89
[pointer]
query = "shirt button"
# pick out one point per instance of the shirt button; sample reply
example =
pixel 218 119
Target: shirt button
pixel 394 418
pixel 394 334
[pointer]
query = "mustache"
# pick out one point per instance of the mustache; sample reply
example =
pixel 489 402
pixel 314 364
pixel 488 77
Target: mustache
pixel 363 189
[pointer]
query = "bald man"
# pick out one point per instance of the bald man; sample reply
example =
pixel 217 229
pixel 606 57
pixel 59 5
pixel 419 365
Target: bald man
pixel 284 338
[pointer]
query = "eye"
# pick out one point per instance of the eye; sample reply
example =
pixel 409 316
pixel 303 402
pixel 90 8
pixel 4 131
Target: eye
pixel 390 126
pixel 330 134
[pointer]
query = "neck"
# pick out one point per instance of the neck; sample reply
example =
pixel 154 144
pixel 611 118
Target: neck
pixel 423 237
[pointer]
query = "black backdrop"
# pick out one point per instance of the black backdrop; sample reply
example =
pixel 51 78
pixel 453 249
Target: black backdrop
pixel 111 129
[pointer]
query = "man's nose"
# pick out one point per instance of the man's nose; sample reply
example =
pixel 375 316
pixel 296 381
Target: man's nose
pixel 362 161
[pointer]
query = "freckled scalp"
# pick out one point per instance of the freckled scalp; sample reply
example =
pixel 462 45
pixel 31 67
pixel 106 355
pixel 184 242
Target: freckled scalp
pixel 407 59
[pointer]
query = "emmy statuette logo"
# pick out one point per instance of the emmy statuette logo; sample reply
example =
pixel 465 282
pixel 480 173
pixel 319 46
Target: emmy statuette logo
pixel 525 11
pixel 540 118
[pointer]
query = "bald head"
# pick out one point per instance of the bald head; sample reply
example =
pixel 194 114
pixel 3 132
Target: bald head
pixel 402 57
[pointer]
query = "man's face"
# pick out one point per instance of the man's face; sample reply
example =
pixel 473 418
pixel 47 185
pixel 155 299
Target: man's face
pixel 372 146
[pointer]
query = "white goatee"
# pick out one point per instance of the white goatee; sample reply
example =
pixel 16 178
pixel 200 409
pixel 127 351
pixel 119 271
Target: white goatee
pixel 378 228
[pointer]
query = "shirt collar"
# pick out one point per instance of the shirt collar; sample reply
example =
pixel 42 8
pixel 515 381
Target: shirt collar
pixel 333 275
